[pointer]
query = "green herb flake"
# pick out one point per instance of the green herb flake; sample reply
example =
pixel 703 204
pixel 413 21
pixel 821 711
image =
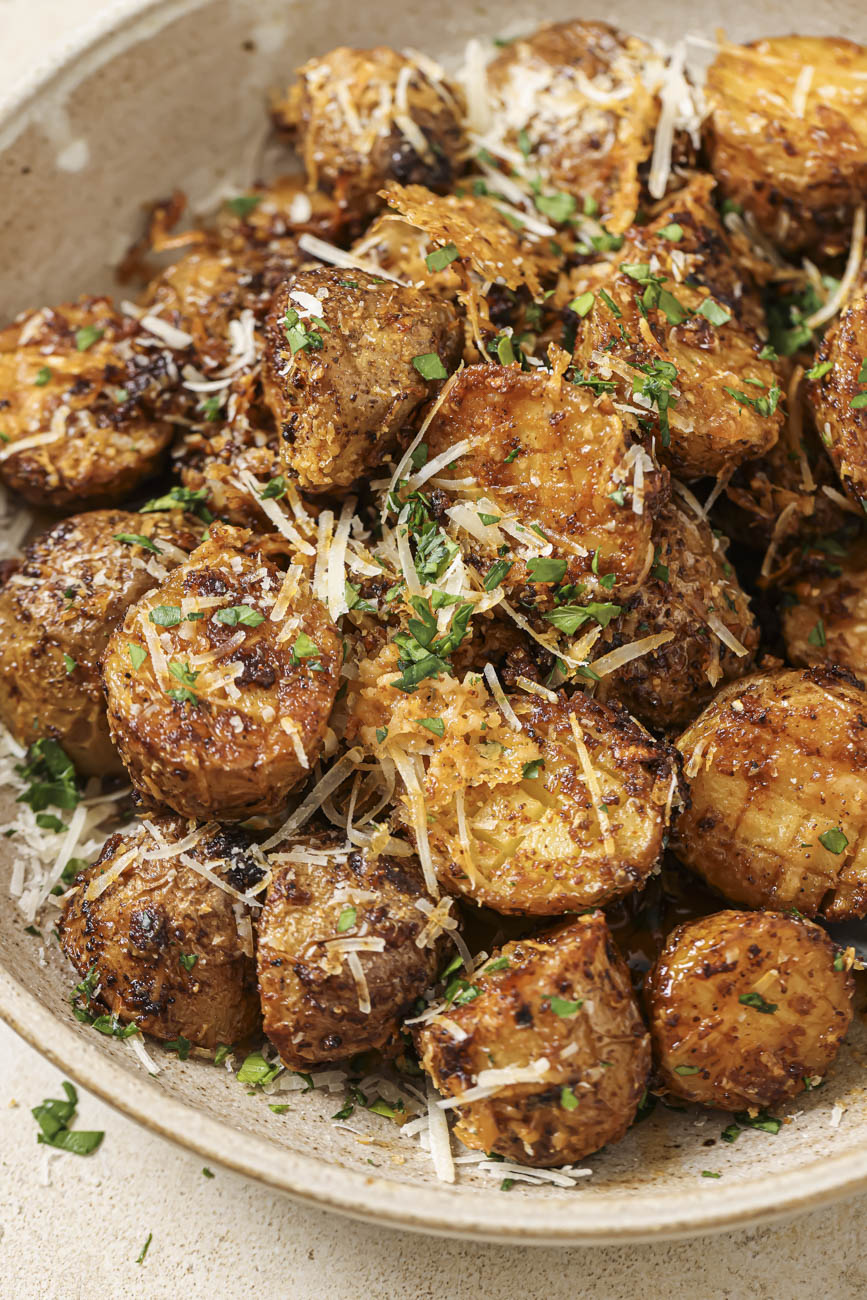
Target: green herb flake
pixel 839 962
pixel 303 649
pixel 186 498
pixel 299 336
pixel 165 615
pixel 858 402
pixel 440 258
pixel 559 207
pixel 274 489
pixel 436 725
pixel 532 770
pixel 144 1250
pixel 496 573
pixel 381 734
pixel 610 304
pixel 43 377
pixel 87 336
pixel 256 1070
pixel 429 366
pixel 244 204
pixel 188 960
pixel 820 369
pixel 713 312
pixel 834 840
pixel 545 569
pixel 138 539
pixel 764 405
pixel 137 655
pixel 50 775
pixel 208 1173
pixel 568 1100
pixel 48 822
pixel 686 1069
pixel 817 634
pixel 239 614
pixel 54 1117
pixel 709 1173
pixel 756 1001
pixel 582 304
pixel 180 1045
pixel 673 232
pixel 569 618
pixel 563 1007
pixel 499 963
pixel 346 920
pixel 222 1051
pixel 69 663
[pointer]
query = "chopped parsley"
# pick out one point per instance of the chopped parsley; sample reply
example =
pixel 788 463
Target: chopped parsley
pixel 43 376
pixel 239 614
pixel 189 498
pixel 568 618
pixel 686 1069
pixel 188 960
pixel 54 1118
pixel 496 573
pixel 758 1002
pixel 568 1100
pixel 429 366
pixel 69 663
pixel 764 405
pixel 180 1045
pixel 140 1259
pixel 299 336
pixel 440 258
pixel 423 653
pixel 346 919
pixel 834 840
pixel 820 369
pixel 817 634
pixel 582 304
pixel 656 385
pixel 610 304
pixel 304 649
pixel 244 204
pixel 165 615
pixel 51 777
pixel 673 232
pixel 545 569
pixel 137 655
pixel 138 539
pixel 532 770
pixel 435 725
pixel 87 336
pixel 559 207
pixel 563 1008
pixel 274 489
pixel 713 312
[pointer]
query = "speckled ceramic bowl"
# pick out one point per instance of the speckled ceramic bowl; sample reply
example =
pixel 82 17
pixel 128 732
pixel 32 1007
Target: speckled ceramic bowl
pixel 170 94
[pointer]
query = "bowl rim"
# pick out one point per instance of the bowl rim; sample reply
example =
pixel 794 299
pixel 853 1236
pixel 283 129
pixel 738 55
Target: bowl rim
pixel 439 1209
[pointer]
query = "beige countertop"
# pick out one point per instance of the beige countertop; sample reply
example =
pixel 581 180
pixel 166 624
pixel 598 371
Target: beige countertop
pixel 72 1227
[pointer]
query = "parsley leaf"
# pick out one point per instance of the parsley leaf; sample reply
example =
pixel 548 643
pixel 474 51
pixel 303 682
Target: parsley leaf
pixel 51 777
pixel 756 1000
pixel 440 258
pixel 243 614
pixel 244 204
pixel 429 366
pixel 346 919
pixel 165 615
pixel 137 539
pixel 834 840
pixel 87 336
pixel 568 618
pixel 545 569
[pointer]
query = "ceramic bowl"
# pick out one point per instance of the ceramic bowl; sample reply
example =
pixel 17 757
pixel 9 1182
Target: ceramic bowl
pixel 169 94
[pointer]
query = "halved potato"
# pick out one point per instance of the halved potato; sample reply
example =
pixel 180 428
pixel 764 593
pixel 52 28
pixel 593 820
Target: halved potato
pixel 828 624
pixel 838 395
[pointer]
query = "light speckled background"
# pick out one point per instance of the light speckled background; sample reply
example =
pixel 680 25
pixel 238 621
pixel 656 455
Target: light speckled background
pixel 73 1227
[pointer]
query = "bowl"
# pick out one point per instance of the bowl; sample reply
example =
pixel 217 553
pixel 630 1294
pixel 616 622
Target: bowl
pixel 169 94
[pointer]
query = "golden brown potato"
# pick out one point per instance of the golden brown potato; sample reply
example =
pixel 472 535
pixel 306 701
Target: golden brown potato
pixel 673 333
pixel 746 1008
pixel 839 397
pixel 692 593
pixel 402 249
pixel 787 136
pixel 363 117
pixel 220 682
pixel 160 945
pixel 777 768
pixel 84 396
pixel 555 466
pixel 344 950
pixel 828 624
pixel 577 99
pixel 270 216
pixel 568 812
pixel 340 369
pixel 547 1045
pixel 57 612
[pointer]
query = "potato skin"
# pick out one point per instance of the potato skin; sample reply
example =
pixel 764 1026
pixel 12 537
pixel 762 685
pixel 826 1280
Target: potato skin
pixel 155 912
pixel 842 426
pixel 535 842
pixel 689 580
pixel 310 1000
pixel 550 455
pixel 709 1046
pixel 800 174
pixel 829 622
pixel 104 398
pixel 579 147
pixel 352 157
pixel 776 761
pixel 40 695
pixel 230 753
pixel 600 1053
pixel 340 407
pixel 711 431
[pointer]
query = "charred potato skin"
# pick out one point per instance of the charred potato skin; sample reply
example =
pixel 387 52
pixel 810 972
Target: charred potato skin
pixel 709 1046
pixel 81 372
pixel 73 587
pixel 510 1022
pixel 571 154
pixel 154 913
pixel 341 406
pixel 842 426
pixel 800 175
pixel 310 1001
pixel 690 578
pixel 351 161
pixel 710 430
pixel 551 454
pixel 829 621
pixel 774 762
pixel 195 757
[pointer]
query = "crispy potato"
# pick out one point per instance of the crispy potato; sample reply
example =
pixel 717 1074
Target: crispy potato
pixel 569 812
pixel 777 767
pixel 690 588
pixel 577 98
pixel 343 390
pixel 83 405
pixel 269 216
pixel 556 1011
pixel 57 612
pixel 671 357
pixel 556 463
pixel 225 712
pixel 746 1008
pixel 839 397
pixel 322 900
pixel 787 136
pixel 163 943
pixel 829 622
pixel 363 117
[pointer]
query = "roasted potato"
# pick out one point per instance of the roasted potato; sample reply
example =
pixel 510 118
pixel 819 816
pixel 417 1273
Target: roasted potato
pixel 270 216
pixel 546 1044
pixel 345 948
pixel 348 360
pixel 693 594
pixel 673 332
pixel 569 811
pixel 363 117
pixel 555 467
pixel 220 682
pixel 577 100
pixel 84 397
pixel 746 1009
pixel 777 769
pixel 160 945
pixel 838 395
pixel 828 624
pixel 787 136
pixel 57 611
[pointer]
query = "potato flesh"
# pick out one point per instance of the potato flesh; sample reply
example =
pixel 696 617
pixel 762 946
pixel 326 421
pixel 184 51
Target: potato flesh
pixel 829 622
pixel 711 1046
pixel 595 1053
pixel 842 426
pixel 775 763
